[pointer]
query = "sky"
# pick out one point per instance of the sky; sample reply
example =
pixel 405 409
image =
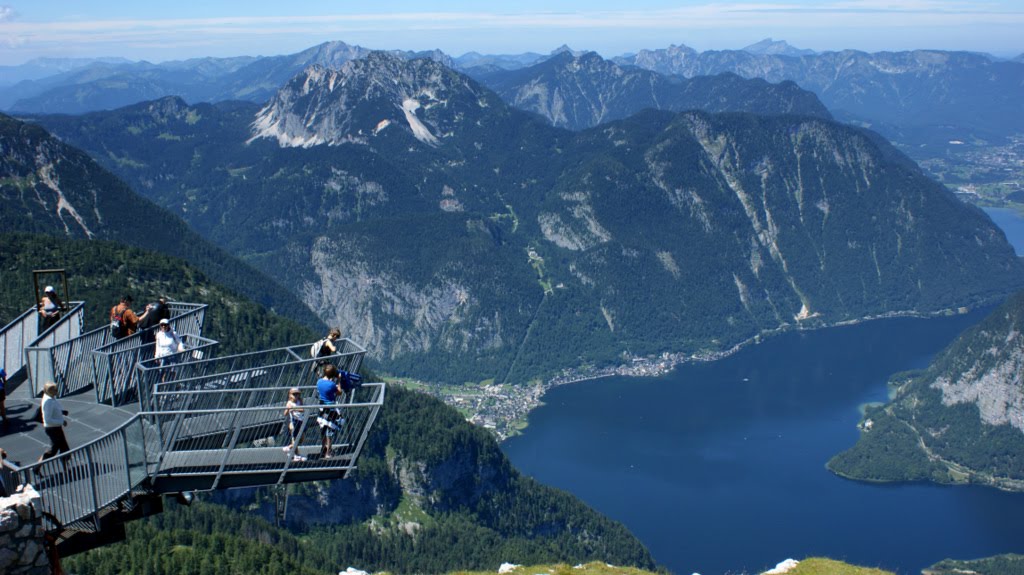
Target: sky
pixel 181 29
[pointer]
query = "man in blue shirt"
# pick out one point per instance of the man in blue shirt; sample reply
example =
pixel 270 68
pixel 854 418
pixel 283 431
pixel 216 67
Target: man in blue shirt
pixel 329 419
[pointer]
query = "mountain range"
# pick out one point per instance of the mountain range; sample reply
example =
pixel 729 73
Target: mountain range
pixel 579 92
pixel 916 97
pixel 920 96
pixel 463 240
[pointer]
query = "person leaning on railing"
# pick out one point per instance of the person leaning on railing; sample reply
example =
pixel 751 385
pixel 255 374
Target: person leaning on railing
pixel 50 308
pixel 329 419
pixel 54 421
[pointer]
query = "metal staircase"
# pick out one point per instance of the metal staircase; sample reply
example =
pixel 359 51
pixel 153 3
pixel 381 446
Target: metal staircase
pixel 202 423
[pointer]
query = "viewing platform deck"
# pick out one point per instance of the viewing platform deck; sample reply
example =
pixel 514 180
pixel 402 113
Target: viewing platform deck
pixel 140 428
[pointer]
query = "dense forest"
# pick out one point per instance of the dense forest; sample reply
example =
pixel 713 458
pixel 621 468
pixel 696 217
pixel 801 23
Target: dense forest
pixel 100 272
pixel 432 494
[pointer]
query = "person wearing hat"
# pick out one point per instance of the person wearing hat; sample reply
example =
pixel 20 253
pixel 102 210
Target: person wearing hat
pixel 124 316
pixel 167 343
pixel 296 415
pixel 50 308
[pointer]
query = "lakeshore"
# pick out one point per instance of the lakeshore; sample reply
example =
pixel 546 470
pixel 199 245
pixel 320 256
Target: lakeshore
pixel 504 408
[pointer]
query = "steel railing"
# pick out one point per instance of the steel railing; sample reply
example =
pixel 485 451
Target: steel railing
pixel 69 363
pixel 79 487
pixel 244 443
pixel 13 339
pixel 44 356
pixel 268 368
pixel 82 485
pixel 114 365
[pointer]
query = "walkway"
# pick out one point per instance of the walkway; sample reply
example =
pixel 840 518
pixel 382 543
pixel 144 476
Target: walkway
pixel 139 430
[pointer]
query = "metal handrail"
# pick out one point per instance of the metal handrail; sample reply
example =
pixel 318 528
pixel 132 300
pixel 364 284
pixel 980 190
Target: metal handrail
pixel 229 371
pixel 13 338
pixel 115 365
pixel 48 357
pixel 114 371
pixel 78 485
pixel 69 363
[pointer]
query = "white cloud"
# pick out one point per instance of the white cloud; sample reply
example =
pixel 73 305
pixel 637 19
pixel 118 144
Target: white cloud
pixel 777 18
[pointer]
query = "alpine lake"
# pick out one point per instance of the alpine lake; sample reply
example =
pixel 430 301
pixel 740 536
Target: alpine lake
pixel 720 467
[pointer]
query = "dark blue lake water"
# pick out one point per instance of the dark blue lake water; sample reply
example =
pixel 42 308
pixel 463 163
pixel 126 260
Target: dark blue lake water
pixel 720 467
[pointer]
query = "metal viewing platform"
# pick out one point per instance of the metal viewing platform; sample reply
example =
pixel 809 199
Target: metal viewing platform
pixel 140 430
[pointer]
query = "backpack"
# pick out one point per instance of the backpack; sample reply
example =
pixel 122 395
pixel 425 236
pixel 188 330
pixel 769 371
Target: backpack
pixel 349 380
pixel 117 327
pixel 316 348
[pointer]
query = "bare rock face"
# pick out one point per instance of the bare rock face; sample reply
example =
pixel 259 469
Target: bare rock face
pixel 961 420
pixel 21 534
pixel 367 97
pixel 988 373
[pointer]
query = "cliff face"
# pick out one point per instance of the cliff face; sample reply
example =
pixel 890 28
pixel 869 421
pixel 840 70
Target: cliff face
pixel 960 420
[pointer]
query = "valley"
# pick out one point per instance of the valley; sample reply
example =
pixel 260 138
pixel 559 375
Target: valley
pixel 629 309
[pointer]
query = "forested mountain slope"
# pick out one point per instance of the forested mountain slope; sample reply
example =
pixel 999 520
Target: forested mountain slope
pixel 960 420
pixel 100 271
pixel 432 494
pixel 47 186
pixel 461 239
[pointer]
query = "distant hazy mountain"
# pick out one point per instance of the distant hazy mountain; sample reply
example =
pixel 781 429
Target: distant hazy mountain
pixel 959 421
pixel 579 92
pixel 498 61
pixel 49 187
pixel 43 67
pixel 776 48
pixel 462 239
pixel 907 95
pixel 105 87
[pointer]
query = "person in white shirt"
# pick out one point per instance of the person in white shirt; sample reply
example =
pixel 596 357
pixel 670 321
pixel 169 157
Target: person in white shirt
pixel 53 421
pixel 167 343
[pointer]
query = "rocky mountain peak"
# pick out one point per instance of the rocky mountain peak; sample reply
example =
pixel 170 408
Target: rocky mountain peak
pixel 331 54
pixel 776 48
pixel 367 97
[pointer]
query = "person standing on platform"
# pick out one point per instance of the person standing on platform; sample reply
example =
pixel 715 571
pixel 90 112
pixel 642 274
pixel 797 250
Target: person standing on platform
pixel 296 416
pixel 54 421
pixel 150 320
pixel 50 308
pixel 123 321
pixel 329 419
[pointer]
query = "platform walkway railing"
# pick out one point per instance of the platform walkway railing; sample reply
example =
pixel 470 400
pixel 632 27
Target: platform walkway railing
pixel 69 363
pixel 44 357
pixel 265 369
pixel 178 450
pixel 113 362
pixel 233 446
pixel 14 337
pixel 114 365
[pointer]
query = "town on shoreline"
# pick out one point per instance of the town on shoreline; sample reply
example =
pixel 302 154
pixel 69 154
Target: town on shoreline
pixel 503 408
